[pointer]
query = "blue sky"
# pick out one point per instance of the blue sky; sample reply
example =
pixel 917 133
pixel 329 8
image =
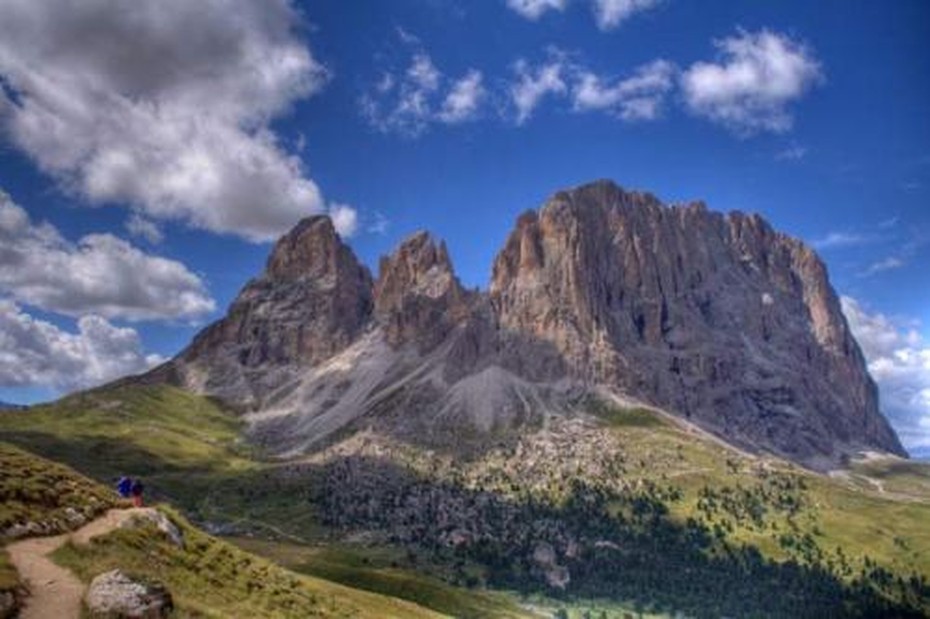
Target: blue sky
pixel 148 157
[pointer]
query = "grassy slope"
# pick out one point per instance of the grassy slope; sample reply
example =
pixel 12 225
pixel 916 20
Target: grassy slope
pixel 852 514
pixel 50 496
pixel 208 577
pixel 177 442
pixel 189 450
pixel 212 578
pixel 378 570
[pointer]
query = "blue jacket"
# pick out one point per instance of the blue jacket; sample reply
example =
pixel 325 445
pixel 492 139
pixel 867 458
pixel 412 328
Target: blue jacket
pixel 123 486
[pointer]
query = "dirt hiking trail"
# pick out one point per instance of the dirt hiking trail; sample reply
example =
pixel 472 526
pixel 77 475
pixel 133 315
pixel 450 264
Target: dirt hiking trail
pixel 54 592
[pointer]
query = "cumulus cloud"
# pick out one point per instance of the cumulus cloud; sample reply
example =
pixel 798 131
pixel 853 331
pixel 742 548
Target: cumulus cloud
pixel 750 87
pixel 607 13
pixel 534 9
pixel 899 361
pixel 137 225
pixel 345 219
pixel 535 83
pixel 611 13
pixel 639 97
pixel 100 274
pixel 37 353
pixel 408 102
pixel 165 107
pixel 464 98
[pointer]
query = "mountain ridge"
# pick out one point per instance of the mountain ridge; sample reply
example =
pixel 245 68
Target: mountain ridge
pixel 718 318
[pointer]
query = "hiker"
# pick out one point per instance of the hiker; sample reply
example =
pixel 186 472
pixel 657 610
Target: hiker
pixel 124 486
pixel 136 490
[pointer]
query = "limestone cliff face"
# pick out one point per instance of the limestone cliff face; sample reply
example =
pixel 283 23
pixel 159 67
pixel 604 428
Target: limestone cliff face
pixel 313 299
pixel 418 298
pixel 717 318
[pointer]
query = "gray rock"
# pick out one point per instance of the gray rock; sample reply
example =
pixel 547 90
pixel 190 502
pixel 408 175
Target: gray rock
pixel 160 521
pixel 113 594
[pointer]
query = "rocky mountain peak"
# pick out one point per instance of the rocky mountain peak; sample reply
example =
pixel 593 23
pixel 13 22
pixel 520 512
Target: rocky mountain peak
pixel 718 318
pixel 417 296
pixel 312 301
pixel 312 249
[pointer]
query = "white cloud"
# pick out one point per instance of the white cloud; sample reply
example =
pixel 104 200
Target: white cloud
pixel 37 353
pixel 749 89
pixel 165 106
pixel 534 9
pixel 533 84
pixel 835 240
pixel 899 361
pixel 464 99
pixel 611 13
pixel 345 219
pixel 888 264
pixel 607 13
pixel 137 225
pixel 408 102
pixel 423 73
pixel 100 274
pixel 639 97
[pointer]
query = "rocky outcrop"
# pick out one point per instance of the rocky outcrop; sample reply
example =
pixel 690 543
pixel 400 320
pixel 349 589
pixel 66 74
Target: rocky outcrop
pixel 718 318
pixel 312 301
pixel 113 594
pixel 154 518
pixel 418 298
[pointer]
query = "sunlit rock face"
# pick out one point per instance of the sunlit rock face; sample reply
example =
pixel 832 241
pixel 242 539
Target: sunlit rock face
pixel 717 318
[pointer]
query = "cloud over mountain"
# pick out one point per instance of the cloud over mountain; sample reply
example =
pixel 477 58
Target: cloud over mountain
pixel 100 274
pixel 166 107
pixel 36 352
pixel 899 361
pixel 408 101
pixel 756 77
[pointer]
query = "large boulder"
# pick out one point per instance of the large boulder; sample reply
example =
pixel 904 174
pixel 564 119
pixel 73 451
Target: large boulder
pixel 116 596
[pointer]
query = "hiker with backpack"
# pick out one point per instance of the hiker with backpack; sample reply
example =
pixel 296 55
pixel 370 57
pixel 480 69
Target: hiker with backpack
pixel 124 486
pixel 136 490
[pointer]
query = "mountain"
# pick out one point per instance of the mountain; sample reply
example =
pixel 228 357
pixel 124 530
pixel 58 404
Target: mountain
pixel 611 427
pixel 717 318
